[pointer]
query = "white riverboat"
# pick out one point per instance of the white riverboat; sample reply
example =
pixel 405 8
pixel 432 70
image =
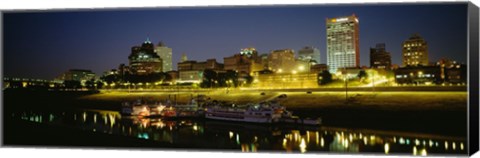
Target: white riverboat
pixel 265 112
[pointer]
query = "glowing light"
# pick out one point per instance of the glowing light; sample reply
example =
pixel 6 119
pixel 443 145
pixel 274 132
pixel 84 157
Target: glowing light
pixel 284 144
pixel 303 146
pixel 387 148
pixel 461 146
pixel 195 128
pixel 301 68
pixel 345 143
pixel 454 146
pixel 423 152
pixel 95 118
pixel 238 139
pixel 414 150
pixel 365 140
pixel 430 143
pixel 395 139
pixel 446 145
pixel 322 142
pixel 341 19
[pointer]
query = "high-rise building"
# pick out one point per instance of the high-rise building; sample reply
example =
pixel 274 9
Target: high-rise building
pixel 183 58
pixel 343 48
pixel 309 54
pixel 415 51
pixel 166 54
pixel 282 61
pixel 143 59
pixel 380 58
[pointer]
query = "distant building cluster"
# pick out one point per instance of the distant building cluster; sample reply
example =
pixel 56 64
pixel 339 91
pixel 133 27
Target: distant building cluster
pixel 285 67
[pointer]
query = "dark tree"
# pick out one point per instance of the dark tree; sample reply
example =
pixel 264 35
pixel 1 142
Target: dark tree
pixel 72 84
pixel 209 78
pixel 324 77
pixel 111 78
pixel 99 84
pixel 362 75
pixel 232 76
pixel 249 79
pixel 90 84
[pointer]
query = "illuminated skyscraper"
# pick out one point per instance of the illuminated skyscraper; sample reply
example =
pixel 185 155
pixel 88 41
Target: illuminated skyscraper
pixel 143 59
pixel 166 54
pixel 343 49
pixel 415 51
pixel 183 58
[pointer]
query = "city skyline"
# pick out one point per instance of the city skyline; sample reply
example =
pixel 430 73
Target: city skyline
pixel 106 41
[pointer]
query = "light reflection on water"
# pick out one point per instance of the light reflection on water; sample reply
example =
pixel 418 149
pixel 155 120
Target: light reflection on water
pixel 250 137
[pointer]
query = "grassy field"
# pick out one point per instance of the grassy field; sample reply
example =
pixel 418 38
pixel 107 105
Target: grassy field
pixel 377 100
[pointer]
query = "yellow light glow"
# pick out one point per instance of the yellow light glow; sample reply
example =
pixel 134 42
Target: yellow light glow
pixel 387 148
pixel 423 152
pixel 301 68
pixel 303 146
pixel 195 128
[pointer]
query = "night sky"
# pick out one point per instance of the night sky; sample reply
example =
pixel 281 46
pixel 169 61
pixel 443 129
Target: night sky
pixel 44 44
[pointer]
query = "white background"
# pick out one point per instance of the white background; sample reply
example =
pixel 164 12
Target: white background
pixel 130 153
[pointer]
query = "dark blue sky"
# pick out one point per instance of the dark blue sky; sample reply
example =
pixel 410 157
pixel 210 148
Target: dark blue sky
pixel 46 44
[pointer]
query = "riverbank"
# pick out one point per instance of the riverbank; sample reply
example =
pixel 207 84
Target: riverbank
pixel 443 113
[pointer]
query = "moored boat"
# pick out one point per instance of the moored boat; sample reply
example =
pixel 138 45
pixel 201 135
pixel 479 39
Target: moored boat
pixel 265 112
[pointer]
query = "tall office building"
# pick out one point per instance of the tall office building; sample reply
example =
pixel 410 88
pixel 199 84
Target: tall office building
pixel 415 51
pixel 308 54
pixel 343 48
pixel 166 54
pixel 380 58
pixel 143 59
pixel 183 58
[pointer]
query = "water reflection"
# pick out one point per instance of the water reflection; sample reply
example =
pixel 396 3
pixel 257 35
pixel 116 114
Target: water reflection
pixel 249 137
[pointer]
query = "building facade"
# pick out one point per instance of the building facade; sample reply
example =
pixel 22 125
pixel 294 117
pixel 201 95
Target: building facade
pixel 418 75
pixel 77 75
pixel 380 58
pixel 143 60
pixel 343 48
pixel 282 61
pixel 415 51
pixel 192 71
pixel 285 80
pixel 166 54
pixel 245 62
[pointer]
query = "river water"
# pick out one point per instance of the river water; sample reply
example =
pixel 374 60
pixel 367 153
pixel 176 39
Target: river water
pixel 244 137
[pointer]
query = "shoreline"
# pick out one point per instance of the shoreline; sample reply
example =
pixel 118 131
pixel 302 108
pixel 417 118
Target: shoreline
pixel 422 112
